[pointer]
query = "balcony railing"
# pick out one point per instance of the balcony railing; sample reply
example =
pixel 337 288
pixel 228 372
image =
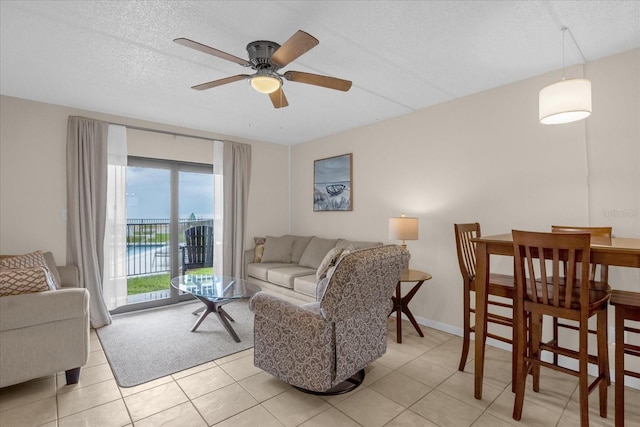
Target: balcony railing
pixel 148 246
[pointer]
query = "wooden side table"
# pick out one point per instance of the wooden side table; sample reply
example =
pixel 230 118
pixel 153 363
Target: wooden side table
pixel 401 304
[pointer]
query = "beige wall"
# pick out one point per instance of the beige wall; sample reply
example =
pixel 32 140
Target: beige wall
pixel 481 158
pixel 486 158
pixel 33 173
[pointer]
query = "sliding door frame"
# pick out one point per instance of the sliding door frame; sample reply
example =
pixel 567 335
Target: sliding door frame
pixel 174 167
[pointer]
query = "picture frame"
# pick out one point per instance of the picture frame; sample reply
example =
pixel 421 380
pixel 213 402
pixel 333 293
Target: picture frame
pixel 333 183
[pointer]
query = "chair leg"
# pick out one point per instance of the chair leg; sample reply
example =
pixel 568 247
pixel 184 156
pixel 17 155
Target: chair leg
pixel 72 375
pixel 603 359
pixel 519 347
pixel 583 383
pixel 556 339
pixel 536 337
pixel 466 335
pixel 619 358
pixel 606 338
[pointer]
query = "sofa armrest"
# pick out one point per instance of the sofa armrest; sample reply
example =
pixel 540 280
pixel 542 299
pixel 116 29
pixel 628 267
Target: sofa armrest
pixel 70 276
pixel 26 310
pixel 300 319
pixel 247 259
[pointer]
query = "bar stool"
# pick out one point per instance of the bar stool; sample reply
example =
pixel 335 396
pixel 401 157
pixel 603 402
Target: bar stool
pixel 500 285
pixel 565 294
pixel 627 305
pixel 598 277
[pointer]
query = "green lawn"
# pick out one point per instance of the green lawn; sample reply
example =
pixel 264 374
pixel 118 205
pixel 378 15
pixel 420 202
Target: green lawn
pixel 156 282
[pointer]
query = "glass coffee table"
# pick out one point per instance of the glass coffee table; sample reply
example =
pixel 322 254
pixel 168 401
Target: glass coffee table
pixel 215 291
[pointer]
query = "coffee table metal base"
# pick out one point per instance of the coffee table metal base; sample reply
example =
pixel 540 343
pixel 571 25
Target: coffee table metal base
pixel 212 306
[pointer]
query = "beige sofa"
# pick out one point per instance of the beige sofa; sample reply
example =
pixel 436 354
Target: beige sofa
pixel 288 265
pixel 44 333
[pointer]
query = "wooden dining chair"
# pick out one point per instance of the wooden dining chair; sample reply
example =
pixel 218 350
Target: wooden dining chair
pixel 552 278
pixel 500 285
pixel 627 307
pixel 598 279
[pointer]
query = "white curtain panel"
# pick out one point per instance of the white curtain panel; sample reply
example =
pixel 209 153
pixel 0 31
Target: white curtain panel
pixel 218 207
pixel 86 207
pixel 237 176
pixel 114 277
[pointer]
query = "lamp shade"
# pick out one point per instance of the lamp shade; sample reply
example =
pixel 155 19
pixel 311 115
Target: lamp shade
pixel 265 84
pixel 403 228
pixel 565 101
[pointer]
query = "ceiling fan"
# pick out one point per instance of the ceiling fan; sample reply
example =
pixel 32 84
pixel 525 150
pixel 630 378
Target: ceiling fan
pixel 267 58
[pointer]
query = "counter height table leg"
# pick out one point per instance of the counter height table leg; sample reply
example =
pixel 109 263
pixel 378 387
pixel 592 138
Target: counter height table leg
pixel 482 278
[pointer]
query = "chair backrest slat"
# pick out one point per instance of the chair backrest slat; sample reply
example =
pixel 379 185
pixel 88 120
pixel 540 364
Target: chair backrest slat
pixel 598 235
pixel 568 255
pixel 199 244
pixel 466 248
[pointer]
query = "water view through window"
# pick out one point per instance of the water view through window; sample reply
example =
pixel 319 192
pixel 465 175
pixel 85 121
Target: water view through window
pixel 163 200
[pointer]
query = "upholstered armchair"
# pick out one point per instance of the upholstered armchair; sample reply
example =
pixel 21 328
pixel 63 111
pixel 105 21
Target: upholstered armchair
pixel 42 333
pixel 323 346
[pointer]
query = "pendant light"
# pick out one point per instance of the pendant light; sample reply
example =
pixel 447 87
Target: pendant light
pixel 565 101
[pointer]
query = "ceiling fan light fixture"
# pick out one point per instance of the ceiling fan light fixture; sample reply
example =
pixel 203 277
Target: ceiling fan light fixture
pixel 265 83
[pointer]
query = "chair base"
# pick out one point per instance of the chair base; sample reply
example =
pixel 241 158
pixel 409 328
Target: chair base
pixel 345 386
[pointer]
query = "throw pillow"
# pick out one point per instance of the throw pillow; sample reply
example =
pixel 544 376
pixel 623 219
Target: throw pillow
pixel 316 251
pixel 33 259
pixel 277 249
pixel 343 253
pixel 259 249
pixel 16 281
pixel 53 268
pixel 329 261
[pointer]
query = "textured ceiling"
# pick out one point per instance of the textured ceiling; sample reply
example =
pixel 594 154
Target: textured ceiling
pixel 118 57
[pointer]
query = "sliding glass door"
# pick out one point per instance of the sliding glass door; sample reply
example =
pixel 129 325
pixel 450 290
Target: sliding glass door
pixel 165 199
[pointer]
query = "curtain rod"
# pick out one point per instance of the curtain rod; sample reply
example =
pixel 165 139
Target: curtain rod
pixel 164 132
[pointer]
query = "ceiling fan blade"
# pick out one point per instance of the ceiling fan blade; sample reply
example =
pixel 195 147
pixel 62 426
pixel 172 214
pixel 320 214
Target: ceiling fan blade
pixel 297 44
pixel 278 99
pixel 318 80
pixel 211 51
pixel 220 82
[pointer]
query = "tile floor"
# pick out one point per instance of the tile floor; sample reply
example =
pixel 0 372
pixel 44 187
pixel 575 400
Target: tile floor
pixel 415 384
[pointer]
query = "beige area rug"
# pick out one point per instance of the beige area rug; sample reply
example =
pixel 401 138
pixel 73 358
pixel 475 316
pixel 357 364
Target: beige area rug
pixel 151 344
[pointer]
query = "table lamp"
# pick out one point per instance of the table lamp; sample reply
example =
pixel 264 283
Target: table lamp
pixel 403 228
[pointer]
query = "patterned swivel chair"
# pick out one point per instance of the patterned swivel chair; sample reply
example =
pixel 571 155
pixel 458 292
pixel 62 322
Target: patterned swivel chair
pixel 323 347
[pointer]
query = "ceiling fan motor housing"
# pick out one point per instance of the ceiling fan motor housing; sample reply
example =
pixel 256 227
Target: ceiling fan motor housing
pixel 260 53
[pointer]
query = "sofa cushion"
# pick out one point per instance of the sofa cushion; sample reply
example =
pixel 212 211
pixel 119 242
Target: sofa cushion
pixel 300 243
pixel 33 259
pixel 17 281
pixel 316 251
pixel 259 270
pixel 285 276
pixel 278 249
pixel 306 284
pixel 355 245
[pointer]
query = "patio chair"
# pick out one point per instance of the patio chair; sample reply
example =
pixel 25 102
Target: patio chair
pixel 198 248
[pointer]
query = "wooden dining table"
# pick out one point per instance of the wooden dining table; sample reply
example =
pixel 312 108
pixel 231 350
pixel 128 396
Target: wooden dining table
pixel 615 251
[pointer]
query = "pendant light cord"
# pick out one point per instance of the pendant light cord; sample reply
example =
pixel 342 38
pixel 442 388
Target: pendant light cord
pixel 564 31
